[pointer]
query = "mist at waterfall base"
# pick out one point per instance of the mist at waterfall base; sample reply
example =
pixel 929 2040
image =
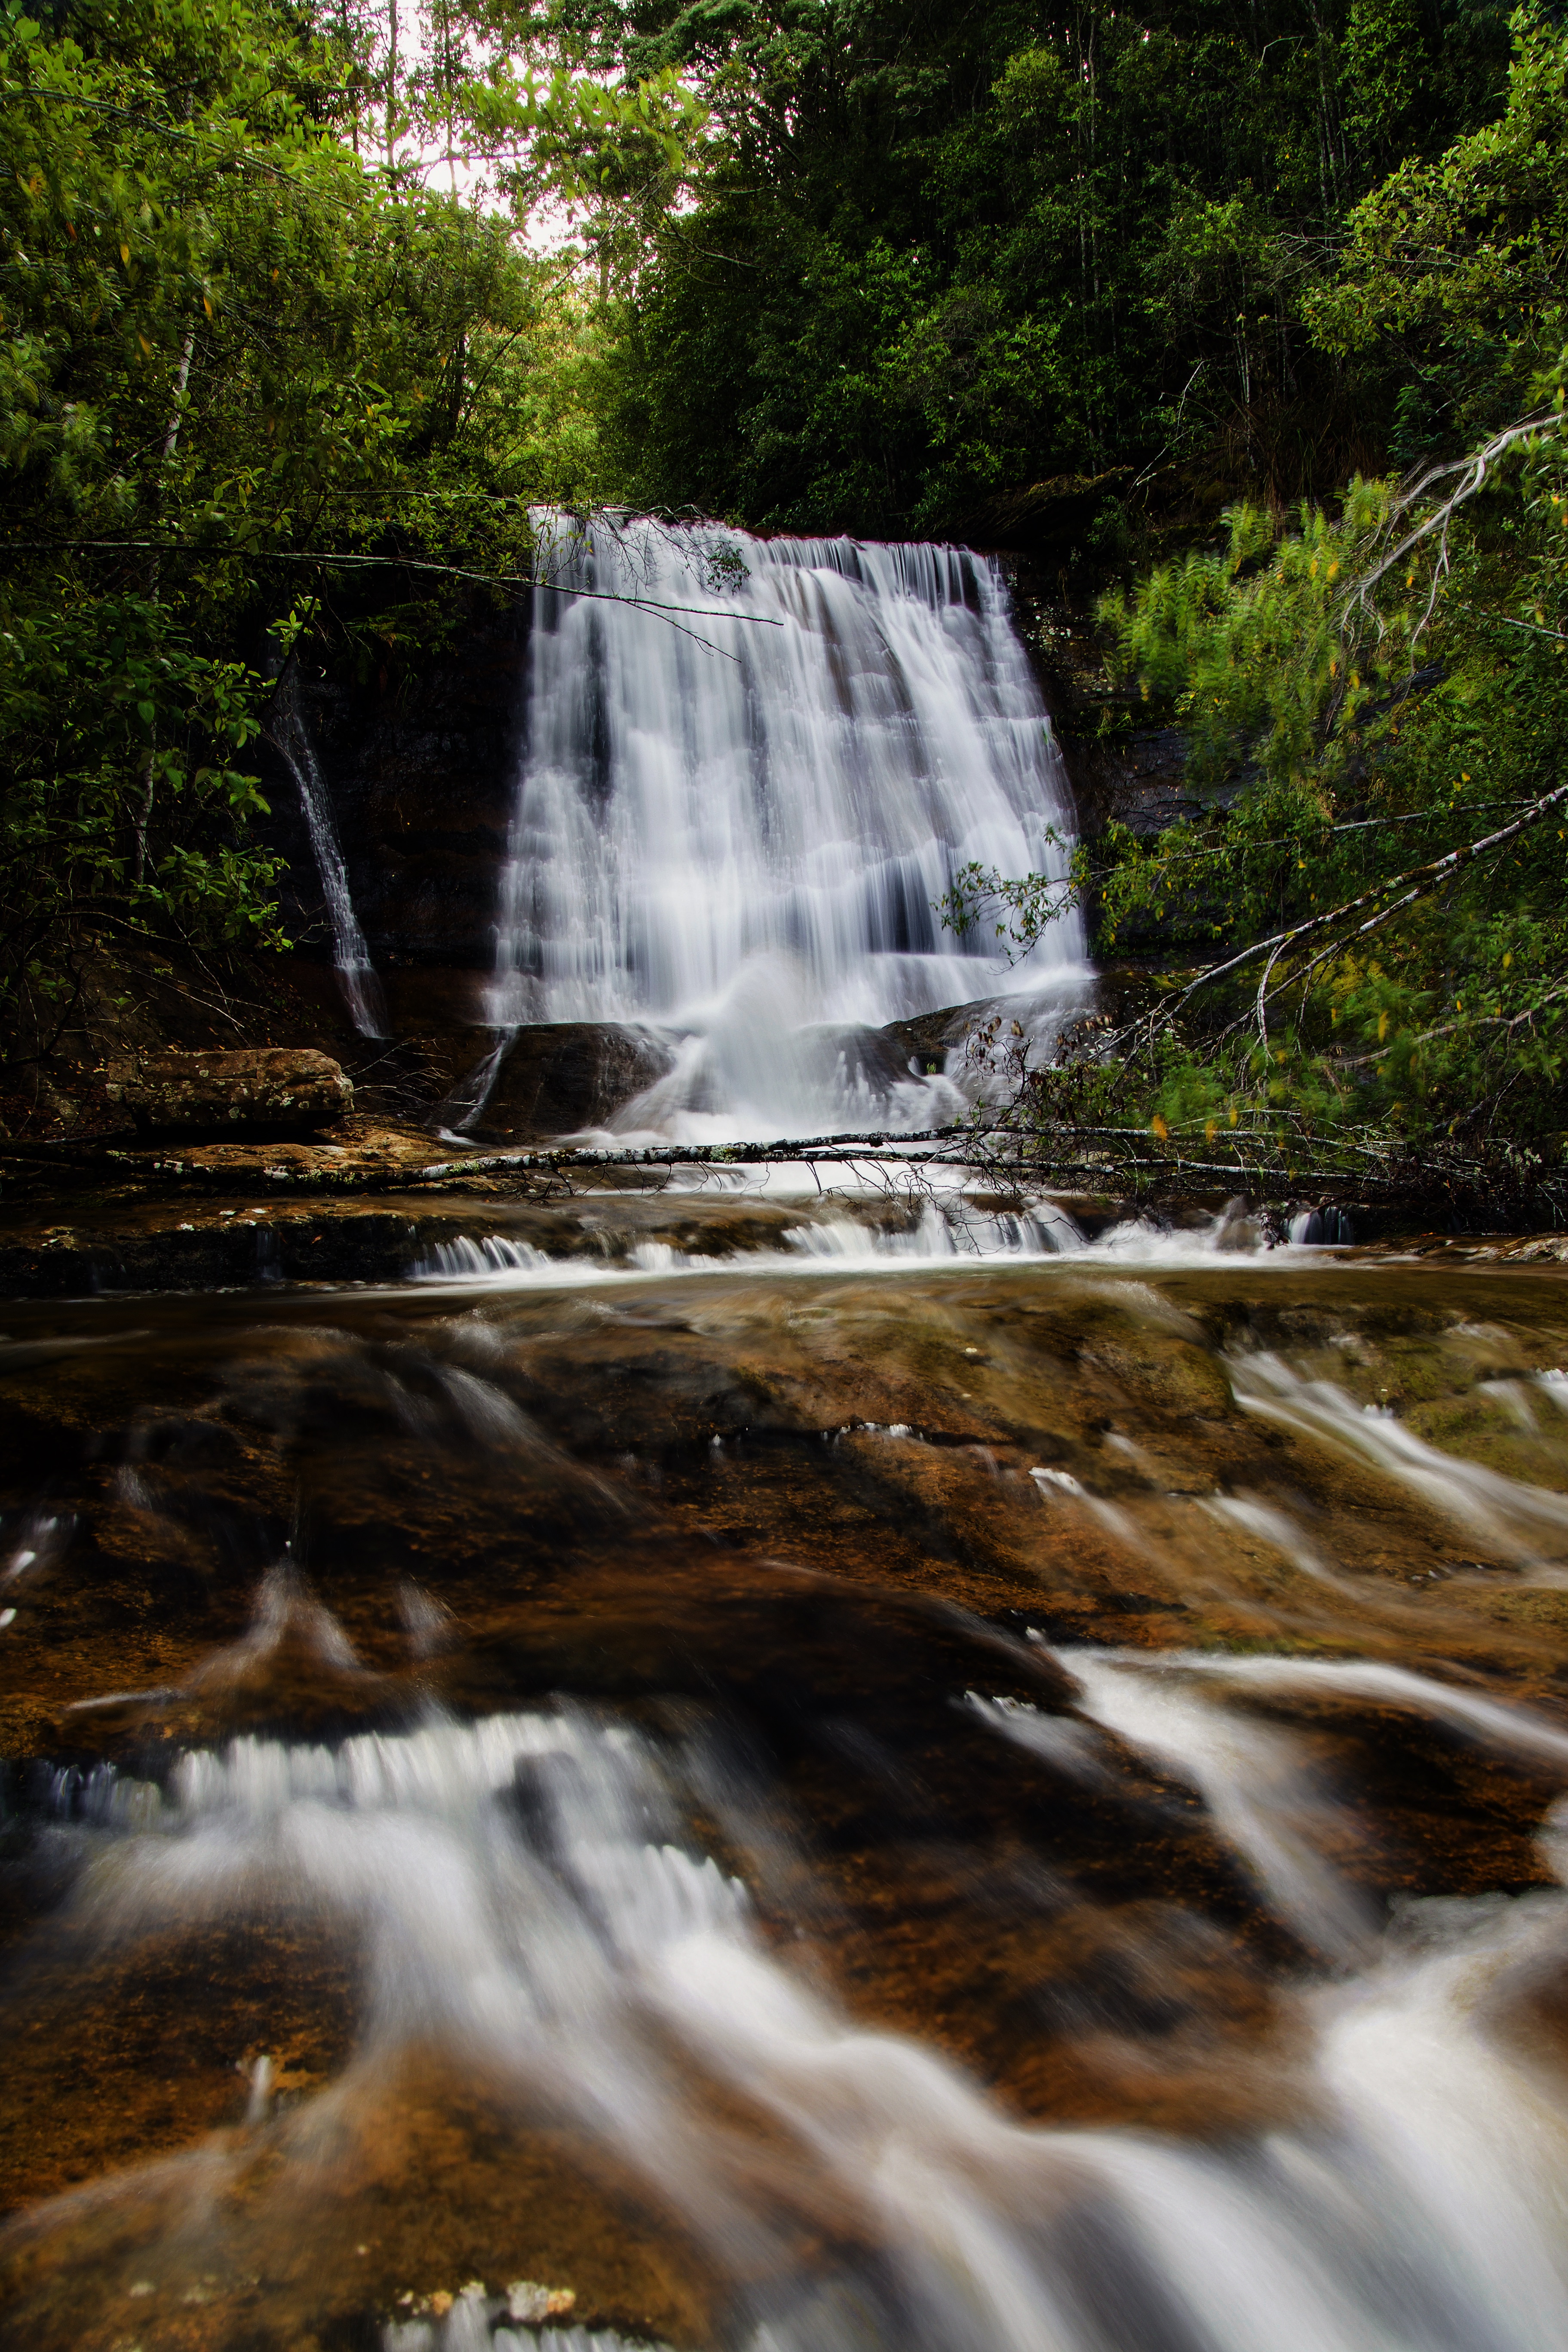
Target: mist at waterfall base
pixel 742 793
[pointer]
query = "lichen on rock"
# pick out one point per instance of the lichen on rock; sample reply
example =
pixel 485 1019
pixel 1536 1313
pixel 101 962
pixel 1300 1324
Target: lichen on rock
pixel 276 1090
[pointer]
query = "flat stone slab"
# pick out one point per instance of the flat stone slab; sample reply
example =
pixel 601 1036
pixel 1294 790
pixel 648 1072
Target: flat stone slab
pixel 273 1089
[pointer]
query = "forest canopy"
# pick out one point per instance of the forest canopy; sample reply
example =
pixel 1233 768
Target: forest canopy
pixel 251 366
pixel 304 311
pixel 934 256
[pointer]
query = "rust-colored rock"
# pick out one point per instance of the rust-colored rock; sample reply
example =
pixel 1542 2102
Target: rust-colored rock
pixel 277 1089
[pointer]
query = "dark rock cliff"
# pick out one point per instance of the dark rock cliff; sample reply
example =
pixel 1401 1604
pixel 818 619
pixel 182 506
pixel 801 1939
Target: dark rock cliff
pixel 1119 772
pixel 420 763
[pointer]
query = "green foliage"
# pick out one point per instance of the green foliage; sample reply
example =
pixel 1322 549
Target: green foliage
pixel 1453 271
pixel 1373 697
pixel 247 385
pixel 934 259
pixel 1376 705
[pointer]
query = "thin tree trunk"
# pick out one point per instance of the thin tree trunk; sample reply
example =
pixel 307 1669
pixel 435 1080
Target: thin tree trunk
pixel 171 443
pixel 182 385
pixel 391 75
pixel 449 72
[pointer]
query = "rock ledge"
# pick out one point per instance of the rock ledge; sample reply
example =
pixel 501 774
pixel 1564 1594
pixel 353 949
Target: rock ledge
pixel 277 1089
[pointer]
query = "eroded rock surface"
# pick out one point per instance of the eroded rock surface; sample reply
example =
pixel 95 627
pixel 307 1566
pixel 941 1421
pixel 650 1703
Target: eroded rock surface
pixel 561 1076
pixel 846 1560
pixel 275 1090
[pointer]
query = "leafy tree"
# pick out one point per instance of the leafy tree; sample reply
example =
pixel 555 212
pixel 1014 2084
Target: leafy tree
pixel 1452 276
pixel 246 379
pixel 1390 684
pixel 932 258
pixel 1373 696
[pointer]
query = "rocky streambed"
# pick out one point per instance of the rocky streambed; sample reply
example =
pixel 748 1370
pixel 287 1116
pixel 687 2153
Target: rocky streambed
pixel 630 1805
pixel 372 1200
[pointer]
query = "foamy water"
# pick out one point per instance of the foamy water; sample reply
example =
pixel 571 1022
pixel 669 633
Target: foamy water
pixel 1527 1523
pixel 571 1941
pixel 940 1225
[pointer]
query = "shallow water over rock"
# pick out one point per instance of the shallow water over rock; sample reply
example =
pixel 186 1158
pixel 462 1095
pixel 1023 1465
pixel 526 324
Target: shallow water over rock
pixel 837 1805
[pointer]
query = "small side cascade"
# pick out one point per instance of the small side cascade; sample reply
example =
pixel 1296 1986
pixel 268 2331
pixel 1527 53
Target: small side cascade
pixel 351 955
pixel 1527 1524
pixel 1326 1226
pixel 945 1231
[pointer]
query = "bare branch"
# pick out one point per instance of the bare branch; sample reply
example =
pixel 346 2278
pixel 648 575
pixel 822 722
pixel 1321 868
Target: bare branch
pixel 1416 881
pixel 1473 470
pixel 338 557
pixel 1507 1022
pixel 1261 1009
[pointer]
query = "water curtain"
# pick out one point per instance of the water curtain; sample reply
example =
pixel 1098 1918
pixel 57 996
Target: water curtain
pixel 749 769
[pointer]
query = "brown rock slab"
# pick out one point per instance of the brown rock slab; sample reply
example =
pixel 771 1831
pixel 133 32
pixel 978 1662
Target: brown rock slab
pixel 275 1089
pixel 792 1520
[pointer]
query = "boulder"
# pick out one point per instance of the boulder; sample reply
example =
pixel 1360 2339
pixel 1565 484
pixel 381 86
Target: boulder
pixel 271 1090
pixel 559 1076
pixel 920 1044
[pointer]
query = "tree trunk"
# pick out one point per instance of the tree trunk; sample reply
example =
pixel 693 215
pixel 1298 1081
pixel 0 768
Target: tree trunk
pixel 171 443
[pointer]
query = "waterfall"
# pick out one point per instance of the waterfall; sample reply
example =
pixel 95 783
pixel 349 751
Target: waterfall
pixel 751 768
pixel 351 956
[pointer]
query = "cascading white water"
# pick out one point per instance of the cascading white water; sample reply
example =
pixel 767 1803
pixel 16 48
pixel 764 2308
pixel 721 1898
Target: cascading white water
pixel 741 797
pixel 947 1232
pixel 526 1899
pixel 1530 1523
pixel 1260 1794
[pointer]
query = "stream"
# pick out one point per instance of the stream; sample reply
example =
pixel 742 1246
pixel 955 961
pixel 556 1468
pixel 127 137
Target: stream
pixel 784 1758
pixel 1006 1800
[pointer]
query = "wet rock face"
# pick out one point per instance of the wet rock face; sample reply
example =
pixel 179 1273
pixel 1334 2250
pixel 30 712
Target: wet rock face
pixel 420 767
pixel 1052 1444
pixel 276 1090
pixel 417 1715
pixel 562 1076
pixel 922 1045
pixel 209 1240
